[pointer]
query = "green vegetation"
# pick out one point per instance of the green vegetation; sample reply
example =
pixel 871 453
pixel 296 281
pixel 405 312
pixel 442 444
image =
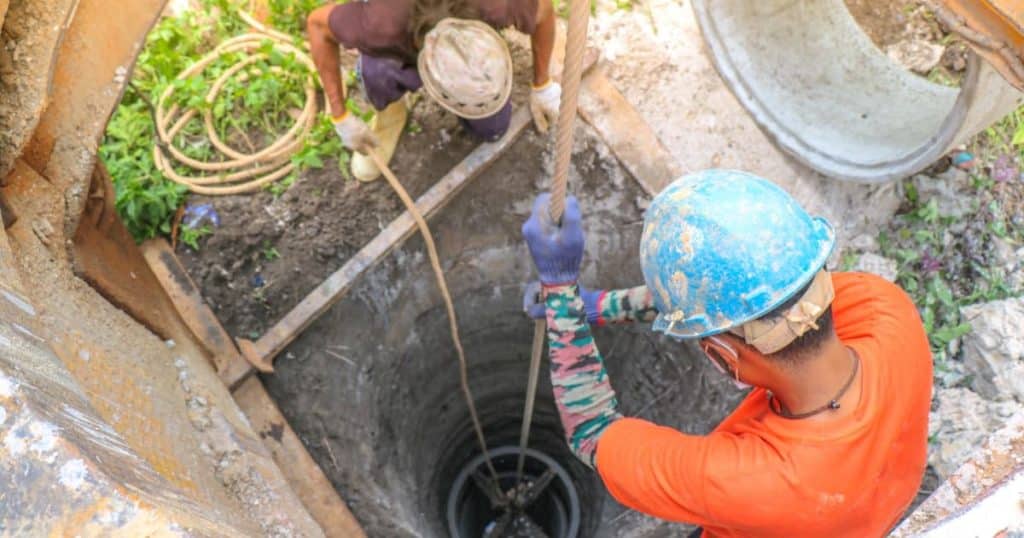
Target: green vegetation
pixel 190 236
pixel 254 108
pixel 270 253
pixel 946 262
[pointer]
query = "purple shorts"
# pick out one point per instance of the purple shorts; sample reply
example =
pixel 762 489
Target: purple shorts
pixel 386 80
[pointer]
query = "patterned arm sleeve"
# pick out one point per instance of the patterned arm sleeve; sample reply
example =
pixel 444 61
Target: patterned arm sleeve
pixel 583 394
pixel 625 306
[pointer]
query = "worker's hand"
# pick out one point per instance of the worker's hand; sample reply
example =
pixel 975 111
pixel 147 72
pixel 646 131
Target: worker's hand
pixel 557 250
pixel 354 133
pixel 533 303
pixel 544 103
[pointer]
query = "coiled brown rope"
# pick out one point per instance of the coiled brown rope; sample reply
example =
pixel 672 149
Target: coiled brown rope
pixel 238 172
pixel 442 283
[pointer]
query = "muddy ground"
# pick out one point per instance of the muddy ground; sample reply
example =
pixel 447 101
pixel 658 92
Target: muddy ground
pixel 270 251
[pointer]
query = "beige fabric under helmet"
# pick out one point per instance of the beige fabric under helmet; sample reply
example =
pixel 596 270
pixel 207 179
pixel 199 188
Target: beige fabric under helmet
pixel 774 334
pixel 466 67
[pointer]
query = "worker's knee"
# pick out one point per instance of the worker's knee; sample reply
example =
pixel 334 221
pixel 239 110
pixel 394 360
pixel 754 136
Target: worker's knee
pixel 490 128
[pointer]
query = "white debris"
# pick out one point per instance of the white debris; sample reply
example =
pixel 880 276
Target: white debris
pixel 917 55
pixel 994 349
pixel 19 302
pixel 960 425
pixel 73 474
pixel 7 386
pixel 120 74
pixel 869 262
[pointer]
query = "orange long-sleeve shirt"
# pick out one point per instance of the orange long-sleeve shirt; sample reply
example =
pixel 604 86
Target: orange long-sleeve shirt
pixel 759 474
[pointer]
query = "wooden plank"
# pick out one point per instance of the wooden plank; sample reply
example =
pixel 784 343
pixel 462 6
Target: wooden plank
pixel 300 470
pixel 630 138
pixel 231 367
pixel 331 290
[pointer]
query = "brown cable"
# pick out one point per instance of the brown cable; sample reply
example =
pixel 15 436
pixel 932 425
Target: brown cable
pixel 239 172
pixel 453 325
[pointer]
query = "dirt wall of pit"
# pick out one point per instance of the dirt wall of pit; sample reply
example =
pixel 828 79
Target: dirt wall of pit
pixel 372 387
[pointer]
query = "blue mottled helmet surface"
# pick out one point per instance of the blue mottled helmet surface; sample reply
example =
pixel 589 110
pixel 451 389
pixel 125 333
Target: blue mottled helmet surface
pixel 722 247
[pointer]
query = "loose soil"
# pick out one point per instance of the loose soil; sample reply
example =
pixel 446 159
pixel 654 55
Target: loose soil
pixel 269 252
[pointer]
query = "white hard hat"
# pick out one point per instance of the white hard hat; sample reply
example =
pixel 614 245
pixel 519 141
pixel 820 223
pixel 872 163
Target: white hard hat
pixel 466 67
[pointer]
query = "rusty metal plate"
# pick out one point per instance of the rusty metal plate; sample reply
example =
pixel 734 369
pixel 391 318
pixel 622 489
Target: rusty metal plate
pixel 231 367
pixel 105 255
pixel 993 28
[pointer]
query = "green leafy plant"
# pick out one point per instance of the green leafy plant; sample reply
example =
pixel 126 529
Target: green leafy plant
pixel 942 270
pixel 191 236
pixel 289 16
pixel 254 107
pixel 269 252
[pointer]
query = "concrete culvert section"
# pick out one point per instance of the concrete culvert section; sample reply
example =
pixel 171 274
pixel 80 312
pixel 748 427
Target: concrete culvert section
pixel 814 81
pixel 372 387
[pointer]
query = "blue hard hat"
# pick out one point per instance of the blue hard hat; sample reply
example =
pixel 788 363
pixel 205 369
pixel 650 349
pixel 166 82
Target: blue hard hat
pixel 722 247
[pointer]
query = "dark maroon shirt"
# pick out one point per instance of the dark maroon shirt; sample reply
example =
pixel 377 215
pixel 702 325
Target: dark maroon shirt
pixel 381 27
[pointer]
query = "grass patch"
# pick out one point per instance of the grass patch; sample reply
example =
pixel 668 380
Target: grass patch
pixel 250 112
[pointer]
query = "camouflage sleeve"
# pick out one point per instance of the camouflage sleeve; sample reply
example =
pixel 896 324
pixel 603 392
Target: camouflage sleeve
pixel 625 306
pixel 584 396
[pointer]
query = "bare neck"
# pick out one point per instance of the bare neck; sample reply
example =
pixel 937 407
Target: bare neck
pixel 817 380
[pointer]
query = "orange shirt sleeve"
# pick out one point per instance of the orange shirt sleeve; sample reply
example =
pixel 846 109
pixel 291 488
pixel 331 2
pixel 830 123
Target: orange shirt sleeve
pixel 678 477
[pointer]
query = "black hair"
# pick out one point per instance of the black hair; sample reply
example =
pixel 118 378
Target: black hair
pixel 808 343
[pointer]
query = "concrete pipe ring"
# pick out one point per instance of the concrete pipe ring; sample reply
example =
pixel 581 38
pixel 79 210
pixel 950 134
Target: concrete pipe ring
pixel 556 510
pixel 817 85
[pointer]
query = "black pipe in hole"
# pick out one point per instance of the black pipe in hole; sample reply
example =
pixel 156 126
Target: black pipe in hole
pixel 556 510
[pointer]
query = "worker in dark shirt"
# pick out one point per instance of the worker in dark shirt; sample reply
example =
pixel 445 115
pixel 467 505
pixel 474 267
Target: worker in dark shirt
pixel 448 47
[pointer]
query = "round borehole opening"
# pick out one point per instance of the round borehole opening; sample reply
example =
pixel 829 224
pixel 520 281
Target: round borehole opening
pixel 547 498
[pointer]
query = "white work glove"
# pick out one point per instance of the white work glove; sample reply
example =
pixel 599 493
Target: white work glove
pixel 544 103
pixel 354 133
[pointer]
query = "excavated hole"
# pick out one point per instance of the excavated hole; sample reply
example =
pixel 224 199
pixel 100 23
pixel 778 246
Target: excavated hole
pixel 470 512
pixel 372 387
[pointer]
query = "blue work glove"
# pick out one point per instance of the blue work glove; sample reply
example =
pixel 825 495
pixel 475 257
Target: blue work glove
pixel 557 251
pixel 535 308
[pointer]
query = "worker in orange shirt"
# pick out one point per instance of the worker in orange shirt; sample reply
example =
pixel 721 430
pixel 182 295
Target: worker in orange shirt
pixel 832 439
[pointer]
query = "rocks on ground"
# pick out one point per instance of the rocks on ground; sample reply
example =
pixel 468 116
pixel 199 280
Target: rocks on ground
pixel 994 349
pixel 960 423
pixel 869 262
